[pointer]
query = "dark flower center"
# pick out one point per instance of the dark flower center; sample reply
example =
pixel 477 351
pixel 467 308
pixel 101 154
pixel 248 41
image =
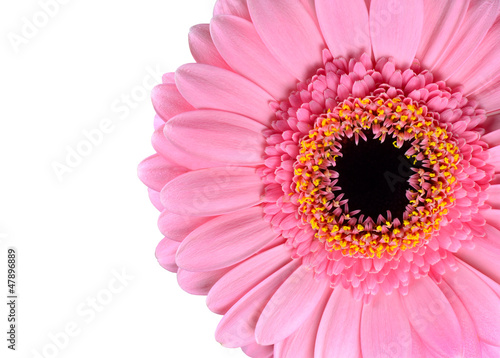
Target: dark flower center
pixel 374 176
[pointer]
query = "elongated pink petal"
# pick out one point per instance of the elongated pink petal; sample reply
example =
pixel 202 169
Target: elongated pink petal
pixel 478 20
pixel 302 342
pixel 282 315
pixel 155 172
pixel 158 122
pixel 237 327
pixel 482 67
pixel 167 101
pixel 441 22
pixel 495 155
pixel 472 347
pixel 225 241
pixel 310 8
pixel 165 254
pixel 488 96
pixel 495 286
pixel 218 136
pixel 492 121
pixel 419 349
pixel 433 318
pixel 480 301
pixel 177 227
pixel 492 217
pixel 396 30
pixel 381 335
pixel 171 152
pixel 199 283
pixel 290 34
pixel 154 196
pixel 257 351
pixel 484 256
pixel 210 87
pixel 168 78
pixel 241 46
pixel 489 351
pixel 492 138
pixel 232 7
pixel 341 308
pixel 237 282
pixel 203 48
pixel 348 35
pixel 494 196
pixel 215 191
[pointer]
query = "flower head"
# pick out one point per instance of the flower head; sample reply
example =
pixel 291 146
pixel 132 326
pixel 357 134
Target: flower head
pixel 328 174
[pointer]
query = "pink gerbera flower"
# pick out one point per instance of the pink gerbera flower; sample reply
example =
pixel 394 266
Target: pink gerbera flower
pixel 328 173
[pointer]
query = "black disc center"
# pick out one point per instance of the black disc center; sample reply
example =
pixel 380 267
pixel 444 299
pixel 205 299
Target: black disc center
pixel 374 176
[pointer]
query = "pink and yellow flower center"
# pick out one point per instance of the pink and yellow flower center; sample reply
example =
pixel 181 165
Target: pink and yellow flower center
pixel 373 173
pixel 412 130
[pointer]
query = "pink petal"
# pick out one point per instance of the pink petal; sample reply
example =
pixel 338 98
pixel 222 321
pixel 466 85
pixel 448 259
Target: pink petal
pixel 167 101
pixel 396 30
pixel 171 152
pixel 232 7
pixel 214 191
pixel 257 351
pixel 349 34
pixel 492 138
pixel 302 342
pixel 418 349
pixel 177 227
pixel 482 67
pixel 158 122
pixel 309 6
pixel 209 87
pixel 382 335
pixel 478 20
pixel 441 22
pixel 290 34
pixel 165 254
pixel 168 78
pixel 433 318
pixel 484 256
pixel 225 241
pixel 338 333
pixel 218 136
pixel 492 121
pixel 488 96
pixel 493 196
pixel 155 172
pixel 203 48
pixel 290 306
pixel 199 283
pixel 237 327
pixel 241 46
pixel 154 197
pixel 237 282
pixel 492 217
pixel 489 351
pixel 479 300
pixel 469 333
pixel 490 282
pixel 495 155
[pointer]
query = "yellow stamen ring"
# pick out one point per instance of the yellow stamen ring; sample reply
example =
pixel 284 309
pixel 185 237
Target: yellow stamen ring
pixel 321 203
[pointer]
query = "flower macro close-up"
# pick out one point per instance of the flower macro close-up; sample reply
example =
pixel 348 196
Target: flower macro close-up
pixel 328 175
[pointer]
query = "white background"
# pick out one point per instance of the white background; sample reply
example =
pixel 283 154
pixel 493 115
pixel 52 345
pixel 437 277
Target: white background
pixel 74 234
